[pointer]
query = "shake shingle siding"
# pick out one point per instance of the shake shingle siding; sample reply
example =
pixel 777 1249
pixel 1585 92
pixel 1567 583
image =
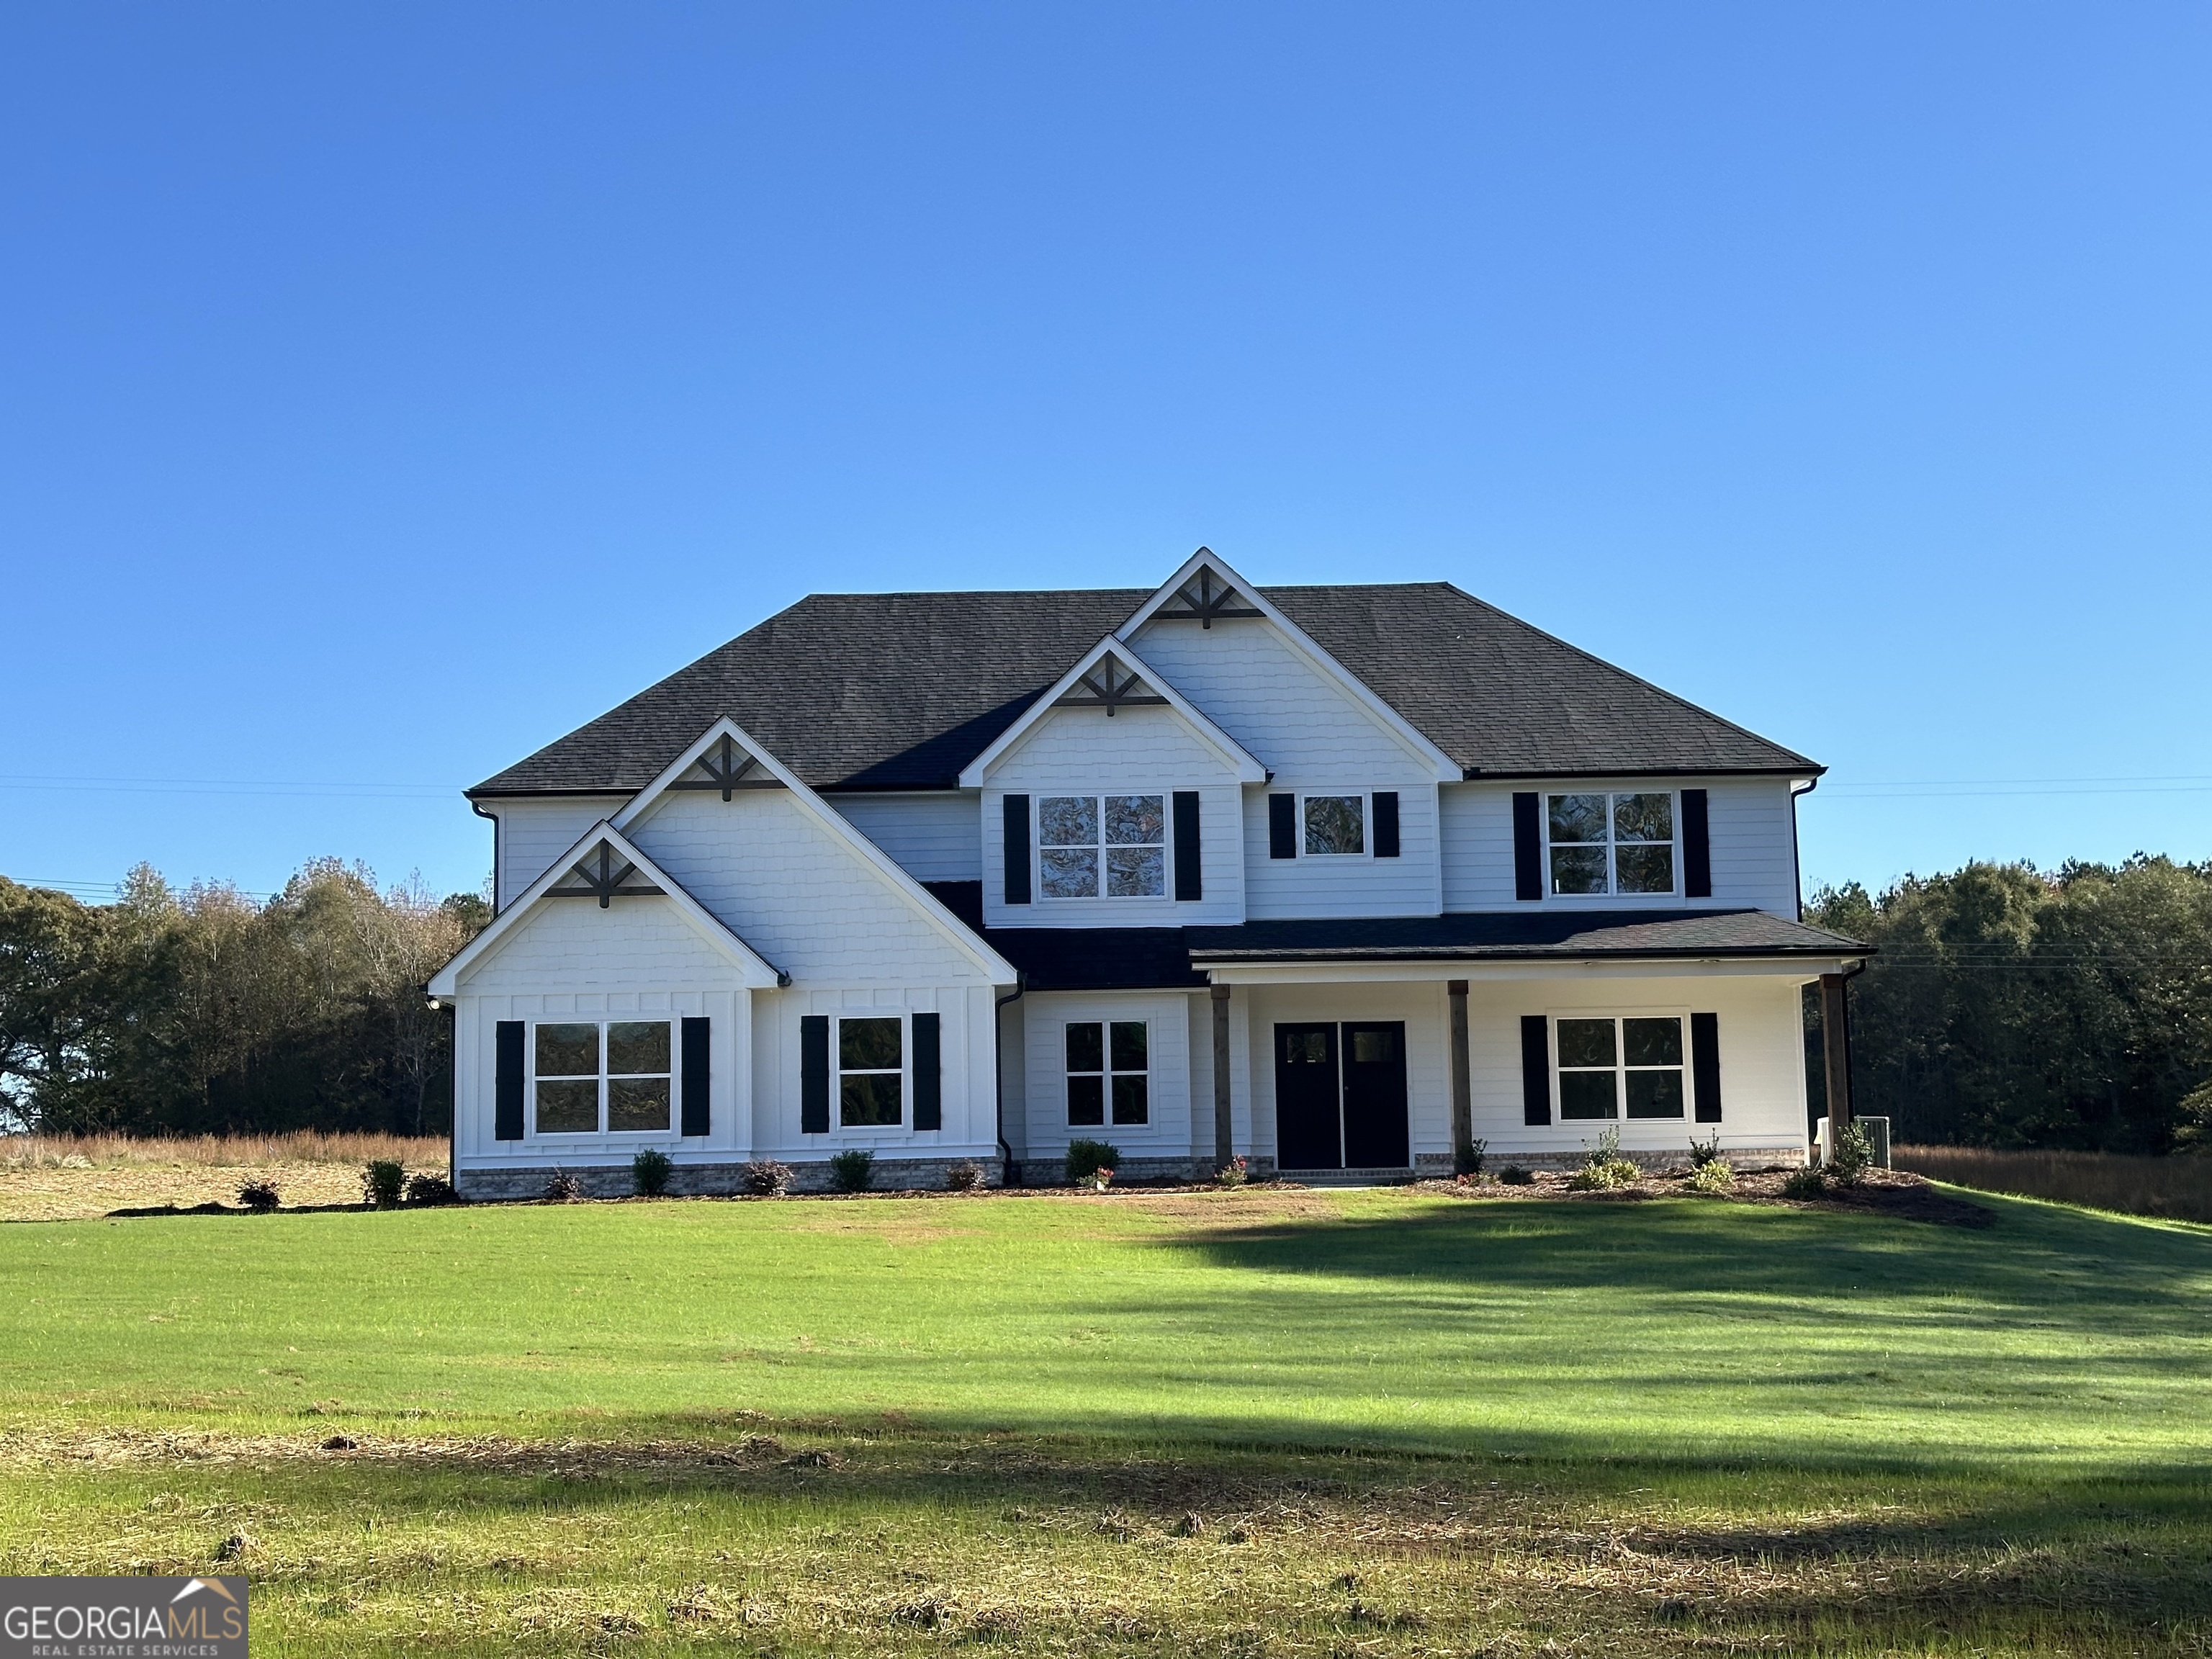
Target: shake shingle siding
pixel 887 691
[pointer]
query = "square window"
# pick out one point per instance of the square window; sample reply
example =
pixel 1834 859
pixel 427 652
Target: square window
pixel 1068 821
pixel 1578 819
pixel 1136 872
pixel 1135 821
pixel 568 1051
pixel 1645 869
pixel 1644 817
pixel 1086 1101
pixel 637 1103
pixel 1069 872
pixel 865 1045
pixel 1578 869
pixel 869 1099
pixel 1654 1094
pixel 637 1046
pixel 1087 1050
pixel 1587 1043
pixel 1130 1045
pixel 569 1107
pixel 1652 1042
pixel 1586 1095
pixel 1620 843
pixel 1130 1099
pixel 1335 824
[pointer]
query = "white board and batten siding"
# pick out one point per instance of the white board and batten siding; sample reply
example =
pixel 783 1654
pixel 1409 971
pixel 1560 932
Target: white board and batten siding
pixel 1146 749
pixel 933 834
pixel 967 1072
pixel 533 832
pixel 1750 821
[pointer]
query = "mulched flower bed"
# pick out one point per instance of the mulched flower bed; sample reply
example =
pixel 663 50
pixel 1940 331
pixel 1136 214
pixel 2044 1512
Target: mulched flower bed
pixel 1888 1192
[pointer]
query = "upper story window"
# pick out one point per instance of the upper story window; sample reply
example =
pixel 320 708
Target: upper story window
pixel 1109 1062
pixel 1612 843
pixel 871 1071
pixel 1604 1062
pixel 1110 845
pixel 603 1075
pixel 1335 825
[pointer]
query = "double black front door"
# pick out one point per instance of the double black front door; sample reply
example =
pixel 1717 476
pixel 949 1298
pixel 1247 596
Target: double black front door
pixel 1341 1096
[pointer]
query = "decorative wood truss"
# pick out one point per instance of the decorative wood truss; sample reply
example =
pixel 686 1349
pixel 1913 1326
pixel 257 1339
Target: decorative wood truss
pixel 601 874
pixel 1202 599
pixel 1109 686
pixel 726 767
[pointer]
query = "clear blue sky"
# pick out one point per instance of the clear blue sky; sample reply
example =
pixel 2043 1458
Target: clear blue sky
pixel 384 392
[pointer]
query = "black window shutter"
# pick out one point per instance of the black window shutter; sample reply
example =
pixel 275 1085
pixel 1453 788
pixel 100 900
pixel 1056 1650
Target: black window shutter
pixel 1386 823
pixel 1705 1066
pixel 1696 846
pixel 1535 1069
pixel 928 1074
pixel 1189 887
pixel 1282 826
pixel 506 1117
pixel 1528 848
pixel 1017 811
pixel 698 1105
pixel 814 1074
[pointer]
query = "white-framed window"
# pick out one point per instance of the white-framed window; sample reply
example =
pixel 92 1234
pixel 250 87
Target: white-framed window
pixel 1333 826
pixel 1612 1066
pixel 870 1071
pixel 601 1076
pixel 1610 841
pixel 1110 846
pixel 1108 1072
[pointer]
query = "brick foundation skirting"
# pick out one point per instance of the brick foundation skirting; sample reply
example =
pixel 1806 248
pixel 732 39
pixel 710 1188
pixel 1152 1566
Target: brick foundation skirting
pixel 710 1179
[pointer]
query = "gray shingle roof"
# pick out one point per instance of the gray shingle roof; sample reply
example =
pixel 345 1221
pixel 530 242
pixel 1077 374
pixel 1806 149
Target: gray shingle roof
pixel 900 690
pixel 1514 935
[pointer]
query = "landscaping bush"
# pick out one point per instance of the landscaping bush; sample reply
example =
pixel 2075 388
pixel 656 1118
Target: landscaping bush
pixel 1703 1152
pixel 649 1173
pixel 258 1195
pixel 853 1171
pixel 966 1177
pixel 1085 1158
pixel 765 1178
pixel 1467 1160
pixel 564 1188
pixel 382 1183
pixel 1514 1175
pixel 1715 1174
pixel 1851 1153
pixel 1807 1183
pixel 1604 1167
pixel 425 1191
pixel 1235 1173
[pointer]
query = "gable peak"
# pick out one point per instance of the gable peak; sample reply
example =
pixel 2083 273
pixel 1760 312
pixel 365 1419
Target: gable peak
pixel 604 872
pixel 1108 684
pixel 1205 595
pixel 726 765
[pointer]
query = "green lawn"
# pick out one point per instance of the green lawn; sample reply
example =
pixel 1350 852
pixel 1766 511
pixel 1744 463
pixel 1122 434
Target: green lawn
pixel 1249 1423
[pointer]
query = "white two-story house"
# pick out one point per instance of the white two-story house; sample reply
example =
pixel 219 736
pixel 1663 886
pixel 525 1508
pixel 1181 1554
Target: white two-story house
pixel 1336 879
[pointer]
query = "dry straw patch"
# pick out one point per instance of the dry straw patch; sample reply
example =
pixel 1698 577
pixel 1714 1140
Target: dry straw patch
pixel 77 1177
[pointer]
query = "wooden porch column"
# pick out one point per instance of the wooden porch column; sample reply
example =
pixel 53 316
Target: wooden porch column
pixel 1223 1123
pixel 1463 1080
pixel 1836 1050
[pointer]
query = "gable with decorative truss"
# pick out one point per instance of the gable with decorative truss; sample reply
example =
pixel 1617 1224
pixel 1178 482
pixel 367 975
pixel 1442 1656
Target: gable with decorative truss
pixel 1110 684
pixel 1204 598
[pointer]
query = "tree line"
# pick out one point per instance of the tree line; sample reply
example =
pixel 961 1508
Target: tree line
pixel 203 1012
pixel 2012 1006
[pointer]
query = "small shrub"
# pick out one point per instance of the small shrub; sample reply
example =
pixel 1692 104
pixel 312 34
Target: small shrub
pixel 1467 1160
pixel 425 1191
pixel 1713 1175
pixel 258 1195
pixel 1235 1173
pixel 1806 1182
pixel 563 1188
pixel 1704 1153
pixel 649 1171
pixel 853 1170
pixel 1086 1158
pixel 966 1177
pixel 1603 1167
pixel 766 1178
pixel 1514 1175
pixel 1850 1155
pixel 382 1183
